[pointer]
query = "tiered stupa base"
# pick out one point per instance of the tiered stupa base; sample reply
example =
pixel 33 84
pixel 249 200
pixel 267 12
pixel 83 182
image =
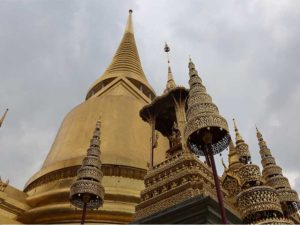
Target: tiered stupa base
pixel 174 181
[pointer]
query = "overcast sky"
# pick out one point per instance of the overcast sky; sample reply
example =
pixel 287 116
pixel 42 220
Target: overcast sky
pixel 247 53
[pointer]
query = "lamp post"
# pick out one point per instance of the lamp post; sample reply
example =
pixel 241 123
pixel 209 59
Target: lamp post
pixel 206 131
pixel 87 191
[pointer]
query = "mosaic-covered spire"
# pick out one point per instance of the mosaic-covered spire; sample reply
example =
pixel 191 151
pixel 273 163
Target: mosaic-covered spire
pixel 270 168
pixel 273 177
pixel 206 131
pixel 258 204
pixel 87 189
pixel 203 116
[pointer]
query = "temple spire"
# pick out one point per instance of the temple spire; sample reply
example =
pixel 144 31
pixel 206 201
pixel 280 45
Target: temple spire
pixel 264 150
pixel 241 147
pixel 3 117
pixel 238 137
pixel 170 83
pixel 273 177
pixel 127 59
pixel 125 64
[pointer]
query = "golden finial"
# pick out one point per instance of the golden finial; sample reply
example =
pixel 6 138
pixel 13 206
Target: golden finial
pixel 170 83
pixel 167 50
pixel 258 134
pixel 191 66
pixel 129 26
pixel 257 131
pixel 3 117
pixel 238 137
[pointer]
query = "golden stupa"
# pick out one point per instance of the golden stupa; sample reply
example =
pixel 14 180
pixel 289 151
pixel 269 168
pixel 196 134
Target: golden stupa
pixel 171 186
pixel 117 96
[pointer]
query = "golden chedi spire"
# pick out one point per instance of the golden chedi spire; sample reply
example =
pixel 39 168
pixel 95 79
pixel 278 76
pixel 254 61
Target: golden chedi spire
pixel 273 176
pixel 125 63
pixel 241 147
pixel 257 203
pixel 3 117
pixel 118 97
pixel 170 83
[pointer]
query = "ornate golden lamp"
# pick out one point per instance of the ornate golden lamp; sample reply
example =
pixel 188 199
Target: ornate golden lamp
pixel 87 192
pixel 206 131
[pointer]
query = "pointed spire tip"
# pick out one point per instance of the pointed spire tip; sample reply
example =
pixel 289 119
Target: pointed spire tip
pixel 234 124
pixel 129 26
pixel 238 137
